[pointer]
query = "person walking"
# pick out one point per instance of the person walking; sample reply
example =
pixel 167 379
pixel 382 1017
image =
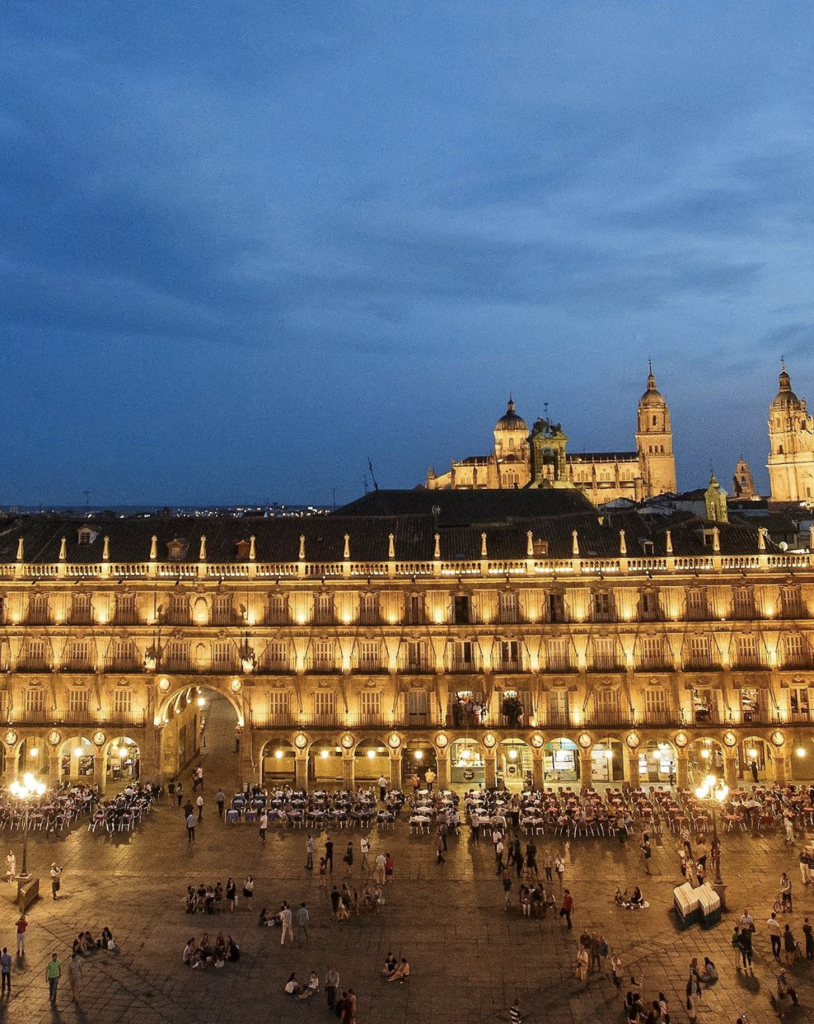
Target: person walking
pixel 582 965
pixel 287 921
pixel 785 987
pixel 499 855
pixel 616 971
pixel 323 868
pixel 231 893
pixel 75 976
pixel 263 827
pixel 808 932
pixel 331 986
pixel 439 848
pixel 190 828
pixel 310 849
pixel 567 907
pixel 429 778
pixel 53 972
pixel 789 945
pixel 199 802
pixel 382 788
pixel 775 935
pixel 745 948
pixel 220 800
pixel 329 854
pixel 303 919
pixel 179 794
pixel 647 851
pixel 56 885
pixel 248 891
pixel 364 846
pixel 5 969
pixel 347 860
pixel 21 926
pixel 559 867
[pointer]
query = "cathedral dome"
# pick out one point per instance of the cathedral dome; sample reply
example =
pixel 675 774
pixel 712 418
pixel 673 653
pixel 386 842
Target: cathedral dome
pixel 511 421
pixel 785 396
pixel 652 398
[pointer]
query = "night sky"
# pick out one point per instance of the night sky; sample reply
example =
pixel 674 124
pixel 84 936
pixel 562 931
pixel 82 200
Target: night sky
pixel 246 245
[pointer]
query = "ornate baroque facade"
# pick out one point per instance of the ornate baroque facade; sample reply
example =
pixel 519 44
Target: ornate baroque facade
pixel 572 646
pixel 791 446
pixel 539 458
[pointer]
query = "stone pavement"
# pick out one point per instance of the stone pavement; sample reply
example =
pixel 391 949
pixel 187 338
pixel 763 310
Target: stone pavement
pixel 469 956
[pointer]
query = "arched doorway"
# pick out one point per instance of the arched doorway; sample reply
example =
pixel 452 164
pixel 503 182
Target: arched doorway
pixel 467 765
pixel 198 723
pixel 607 761
pixel 418 756
pixel 514 764
pixel 371 761
pixel 76 760
pixel 123 760
pixel 706 757
pixel 325 763
pixel 561 761
pixel 35 758
pixel 755 762
pixel 278 762
pixel 657 761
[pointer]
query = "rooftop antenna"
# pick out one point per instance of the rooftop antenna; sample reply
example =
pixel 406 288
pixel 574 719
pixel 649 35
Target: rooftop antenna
pixel 545 410
pixel 372 475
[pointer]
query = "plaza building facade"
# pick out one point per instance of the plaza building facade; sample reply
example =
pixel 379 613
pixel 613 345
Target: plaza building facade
pixel 409 630
pixel 539 458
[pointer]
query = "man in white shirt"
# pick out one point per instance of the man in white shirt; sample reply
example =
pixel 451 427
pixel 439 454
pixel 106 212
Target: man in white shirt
pixel 364 846
pixel 382 788
pixel 381 862
pixel 287 921
pixel 746 920
pixel 775 933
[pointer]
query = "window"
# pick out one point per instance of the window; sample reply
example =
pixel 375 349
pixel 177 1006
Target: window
pixel 790 603
pixel 556 608
pixel 179 609
pixel 414 610
pixel 276 657
pixel 795 652
pixel 509 656
pixel 122 702
pixel 558 655
pixel 370 704
pixel 656 706
pixel 322 659
pixel 81 609
pixel 34 700
pixel 509 607
pixel 324 609
pixel 278 610
pixel 463 657
pixel 607 706
pixel 36 654
pixel 78 701
pixel 750 705
pixel 748 653
pixel 696 605
pixel 78 655
pixel 278 704
pixel 648 606
pixel 370 658
pixel 222 656
pixel 799 703
pixel 416 656
pixel 699 652
pixel 124 655
pixel 705 705
pixel 324 704
pixel 177 656
pixel 222 610
pixel 558 711
pixel 605 654
pixel 651 652
pixel 126 609
pixel 603 611
pixel 38 611
pixel 369 609
pixel 418 707
pixel 743 604
pixel 461 611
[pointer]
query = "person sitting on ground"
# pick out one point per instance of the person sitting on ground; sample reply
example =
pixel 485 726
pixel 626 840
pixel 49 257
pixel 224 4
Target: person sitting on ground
pixel 311 988
pixel 637 899
pixel 106 939
pixel 292 986
pixel 390 965
pixel 401 973
pixel 189 951
pixel 232 950
pixel 619 898
pixel 270 920
pixel 90 945
pixel 709 972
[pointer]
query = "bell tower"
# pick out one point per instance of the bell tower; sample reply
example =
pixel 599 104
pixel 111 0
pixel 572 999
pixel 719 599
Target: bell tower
pixel 654 442
pixel 791 445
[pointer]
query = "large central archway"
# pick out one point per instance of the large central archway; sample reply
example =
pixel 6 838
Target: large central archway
pixel 201 725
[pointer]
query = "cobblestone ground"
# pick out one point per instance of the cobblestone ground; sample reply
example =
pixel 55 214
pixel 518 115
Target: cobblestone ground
pixel 470 957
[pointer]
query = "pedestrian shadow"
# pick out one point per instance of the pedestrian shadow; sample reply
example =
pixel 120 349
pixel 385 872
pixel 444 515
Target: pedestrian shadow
pixel 747 982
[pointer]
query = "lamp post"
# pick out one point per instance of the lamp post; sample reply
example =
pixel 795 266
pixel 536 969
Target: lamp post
pixel 23 792
pixel 714 793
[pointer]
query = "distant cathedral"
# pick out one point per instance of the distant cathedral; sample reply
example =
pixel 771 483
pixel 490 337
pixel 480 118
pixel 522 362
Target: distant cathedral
pixel 539 458
pixel 791 444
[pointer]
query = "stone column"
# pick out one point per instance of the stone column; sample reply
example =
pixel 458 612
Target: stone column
pixel 633 769
pixel 585 776
pixel 250 771
pixel 731 769
pixel 150 754
pixel 395 768
pixel 682 770
pixel 537 770
pixel 781 768
pixel 489 770
pixel 442 766
pixel 301 770
pixel 54 773
pixel 12 764
pixel 99 772
pixel 349 770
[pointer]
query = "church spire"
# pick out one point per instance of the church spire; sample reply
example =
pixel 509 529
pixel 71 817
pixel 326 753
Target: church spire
pixel 651 380
pixel 785 379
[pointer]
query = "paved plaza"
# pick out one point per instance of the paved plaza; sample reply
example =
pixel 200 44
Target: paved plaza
pixel 470 957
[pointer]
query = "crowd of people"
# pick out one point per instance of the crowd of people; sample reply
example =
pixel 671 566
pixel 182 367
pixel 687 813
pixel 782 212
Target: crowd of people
pixel 204 952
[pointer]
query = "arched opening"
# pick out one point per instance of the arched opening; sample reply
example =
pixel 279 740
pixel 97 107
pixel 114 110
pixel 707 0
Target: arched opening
pixel 607 761
pixel 705 757
pixel 755 762
pixel 201 722
pixel 418 756
pixel 325 763
pixel 657 762
pixel 371 761
pixel 123 760
pixel 466 761
pixel 514 765
pixel 34 757
pixel 278 761
pixel 561 761
pixel 76 760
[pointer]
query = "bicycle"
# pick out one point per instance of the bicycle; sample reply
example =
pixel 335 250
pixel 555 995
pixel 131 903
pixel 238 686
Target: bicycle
pixel 781 905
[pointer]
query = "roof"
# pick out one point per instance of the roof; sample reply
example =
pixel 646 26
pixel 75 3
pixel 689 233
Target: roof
pixel 602 457
pixel 461 507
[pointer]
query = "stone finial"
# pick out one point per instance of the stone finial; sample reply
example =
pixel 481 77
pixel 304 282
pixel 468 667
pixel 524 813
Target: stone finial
pixel 252 549
pixel 761 538
pixel 106 550
pixel 20 550
pixel 716 540
pixel 63 549
pixel 437 550
pixel 668 541
pixel 301 555
pixel 483 550
pixel 574 542
pixel 622 543
pixel 811 538
pixel 529 544
pixel 391 545
pixel 153 548
pixel 346 550
pixel 202 551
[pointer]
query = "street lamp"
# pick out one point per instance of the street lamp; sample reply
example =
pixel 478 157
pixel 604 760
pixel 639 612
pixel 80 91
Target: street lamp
pixel 24 791
pixel 714 793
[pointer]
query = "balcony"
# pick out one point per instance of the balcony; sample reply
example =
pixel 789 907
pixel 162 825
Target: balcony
pixel 128 663
pixel 176 663
pixel 273 719
pixel 462 665
pixel 660 718
pixel 34 665
pixel 699 663
pixel 369 665
pixel 509 665
pixel 557 720
pixel 605 663
pixel 609 717
pixel 417 665
pixel 324 666
pixel 73 717
pixel 78 665
pixel 135 718
pixel 272 666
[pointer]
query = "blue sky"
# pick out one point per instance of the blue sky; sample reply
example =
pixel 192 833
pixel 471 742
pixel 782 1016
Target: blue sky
pixel 244 246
